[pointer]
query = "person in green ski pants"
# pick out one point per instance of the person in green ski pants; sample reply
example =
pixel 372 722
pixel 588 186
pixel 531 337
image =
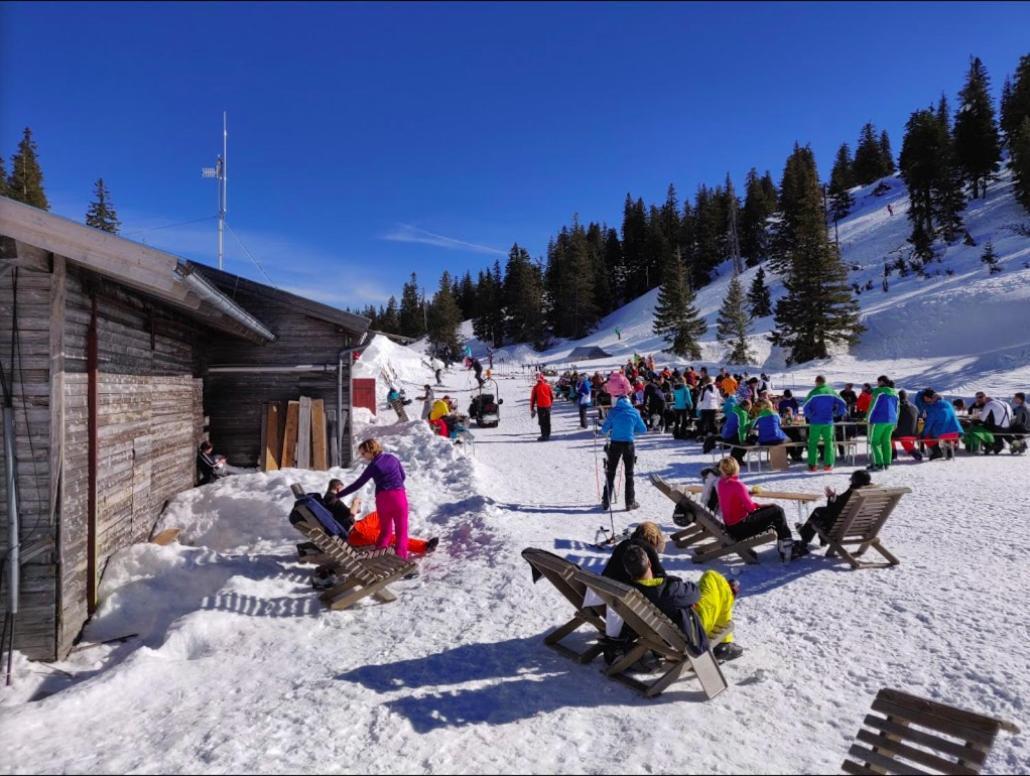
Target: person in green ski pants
pixel 821 406
pixel 883 419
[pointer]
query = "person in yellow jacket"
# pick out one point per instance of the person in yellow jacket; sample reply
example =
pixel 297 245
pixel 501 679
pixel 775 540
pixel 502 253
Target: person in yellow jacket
pixel 439 409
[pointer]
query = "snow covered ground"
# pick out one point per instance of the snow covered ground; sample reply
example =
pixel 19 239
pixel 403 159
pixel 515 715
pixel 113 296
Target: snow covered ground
pixel 235 667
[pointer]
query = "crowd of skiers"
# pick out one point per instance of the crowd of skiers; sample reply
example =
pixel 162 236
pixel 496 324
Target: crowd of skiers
pixel 639 398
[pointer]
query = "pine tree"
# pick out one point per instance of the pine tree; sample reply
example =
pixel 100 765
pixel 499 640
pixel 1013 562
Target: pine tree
pixel 670 217
pixel 487 302
pixel 25 183
pixel 569 283
pixel 709 234
pixel 522 298
pixel 733 324
pixel 616 267
pixel 389 321
pixel 818 309
pixel 949 195
pixel 841 179
pixel 657 248
pixel 977 144
pixel 466 296
pixel 886 156
pixel 869 163
pixel 797 206
pixel 101 214
pixel 990 258
pixel 3 178
pixel 444 317
pixel 412 314
pixel 732 231
pixel 603 295
pixel 675 316
pixel 1015 100
pixel 772 197
pixel 754 221
pixel 1019 146
pixel 759 297
pixel 634 239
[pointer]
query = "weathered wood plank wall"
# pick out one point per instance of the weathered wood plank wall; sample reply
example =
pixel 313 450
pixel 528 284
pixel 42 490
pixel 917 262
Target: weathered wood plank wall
pixel 29 376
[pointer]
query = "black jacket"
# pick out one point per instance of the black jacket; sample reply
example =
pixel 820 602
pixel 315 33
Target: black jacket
pixel 907 417
pixel 617 571
pixel 676 600
pixel 206 467
pixel 340 511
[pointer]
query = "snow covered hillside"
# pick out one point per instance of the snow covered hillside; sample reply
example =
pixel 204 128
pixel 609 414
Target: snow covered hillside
pixel 951 331
pixel 231 665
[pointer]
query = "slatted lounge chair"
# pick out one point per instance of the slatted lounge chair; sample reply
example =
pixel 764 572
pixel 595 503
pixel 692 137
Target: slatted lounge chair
pixel 860 523
pixel 561 573
pixel 707 538
pixel 656 633
pixel 917 736
pixel 361 573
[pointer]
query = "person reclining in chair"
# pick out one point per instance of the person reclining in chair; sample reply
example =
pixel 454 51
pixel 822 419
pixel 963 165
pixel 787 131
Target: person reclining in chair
pixel 708 603
pixel 824 516
pixel 365 532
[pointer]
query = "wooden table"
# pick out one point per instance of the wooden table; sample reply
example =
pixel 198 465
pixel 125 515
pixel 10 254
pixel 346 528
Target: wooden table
pixel 802 499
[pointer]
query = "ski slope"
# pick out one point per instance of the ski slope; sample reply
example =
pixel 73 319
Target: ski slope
pixel 957 333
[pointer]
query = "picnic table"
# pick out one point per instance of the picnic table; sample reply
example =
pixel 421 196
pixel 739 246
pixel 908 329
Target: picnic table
pixel 801 499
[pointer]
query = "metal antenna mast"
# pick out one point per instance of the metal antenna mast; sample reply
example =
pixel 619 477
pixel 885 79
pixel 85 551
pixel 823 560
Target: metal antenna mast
pixel 219 172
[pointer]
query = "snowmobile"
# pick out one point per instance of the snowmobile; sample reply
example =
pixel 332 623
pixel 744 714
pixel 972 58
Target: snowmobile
pixel 485 407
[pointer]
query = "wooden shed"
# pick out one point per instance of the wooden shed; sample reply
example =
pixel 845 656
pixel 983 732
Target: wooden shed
pixel 105 345
pixel 309 357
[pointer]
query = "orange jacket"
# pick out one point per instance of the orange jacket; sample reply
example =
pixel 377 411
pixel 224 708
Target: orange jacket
pixel 541 396
pixel 365 533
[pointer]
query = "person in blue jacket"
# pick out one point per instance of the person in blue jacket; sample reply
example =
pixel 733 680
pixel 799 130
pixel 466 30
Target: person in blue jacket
pixel 583 398
pixel 621 424
pixel 770 431
pixel 941 422
pixel 682 404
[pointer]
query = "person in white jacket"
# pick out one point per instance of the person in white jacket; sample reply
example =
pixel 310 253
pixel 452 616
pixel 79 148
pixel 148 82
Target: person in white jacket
pixel 708 404
pixel 996 417
pixel 437 366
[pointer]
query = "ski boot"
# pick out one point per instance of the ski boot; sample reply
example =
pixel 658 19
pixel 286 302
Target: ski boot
pixel 786 549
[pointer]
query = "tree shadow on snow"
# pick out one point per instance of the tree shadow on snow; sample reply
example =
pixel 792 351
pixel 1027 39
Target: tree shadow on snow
pixel 529 680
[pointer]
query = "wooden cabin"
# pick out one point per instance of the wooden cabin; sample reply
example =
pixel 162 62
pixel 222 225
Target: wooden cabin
pixel 309 357
pixel 116 350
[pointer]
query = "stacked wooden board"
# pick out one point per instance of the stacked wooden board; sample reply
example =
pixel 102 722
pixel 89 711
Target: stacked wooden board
pixel 294 435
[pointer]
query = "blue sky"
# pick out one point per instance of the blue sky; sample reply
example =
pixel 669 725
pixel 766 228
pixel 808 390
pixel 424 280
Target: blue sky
pixel 367 141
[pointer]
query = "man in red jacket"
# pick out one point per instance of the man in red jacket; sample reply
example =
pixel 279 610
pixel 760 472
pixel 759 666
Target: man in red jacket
pixel 540 401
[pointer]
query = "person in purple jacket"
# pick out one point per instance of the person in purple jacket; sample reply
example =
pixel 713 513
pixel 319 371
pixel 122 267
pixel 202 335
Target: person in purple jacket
pixel 385 470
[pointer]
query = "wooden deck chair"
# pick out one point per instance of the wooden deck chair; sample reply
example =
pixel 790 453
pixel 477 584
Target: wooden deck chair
pixel 859 523
pixel 361 573
pixel 944 740
pixel 561 573
pixel 656 633
pixel 707 537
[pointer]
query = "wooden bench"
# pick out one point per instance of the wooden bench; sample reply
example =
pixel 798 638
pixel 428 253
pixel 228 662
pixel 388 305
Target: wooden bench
pixel 655 633
pixel 860 523
pixel 850 449
pixel 707 537
pixel 561 573
pixel 946 740
pixel 361 573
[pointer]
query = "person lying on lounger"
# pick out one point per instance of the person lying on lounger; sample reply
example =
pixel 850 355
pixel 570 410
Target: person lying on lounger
pixel 365 531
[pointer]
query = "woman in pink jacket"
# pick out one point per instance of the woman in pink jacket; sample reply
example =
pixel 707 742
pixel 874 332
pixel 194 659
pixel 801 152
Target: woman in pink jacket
pixel 744 518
